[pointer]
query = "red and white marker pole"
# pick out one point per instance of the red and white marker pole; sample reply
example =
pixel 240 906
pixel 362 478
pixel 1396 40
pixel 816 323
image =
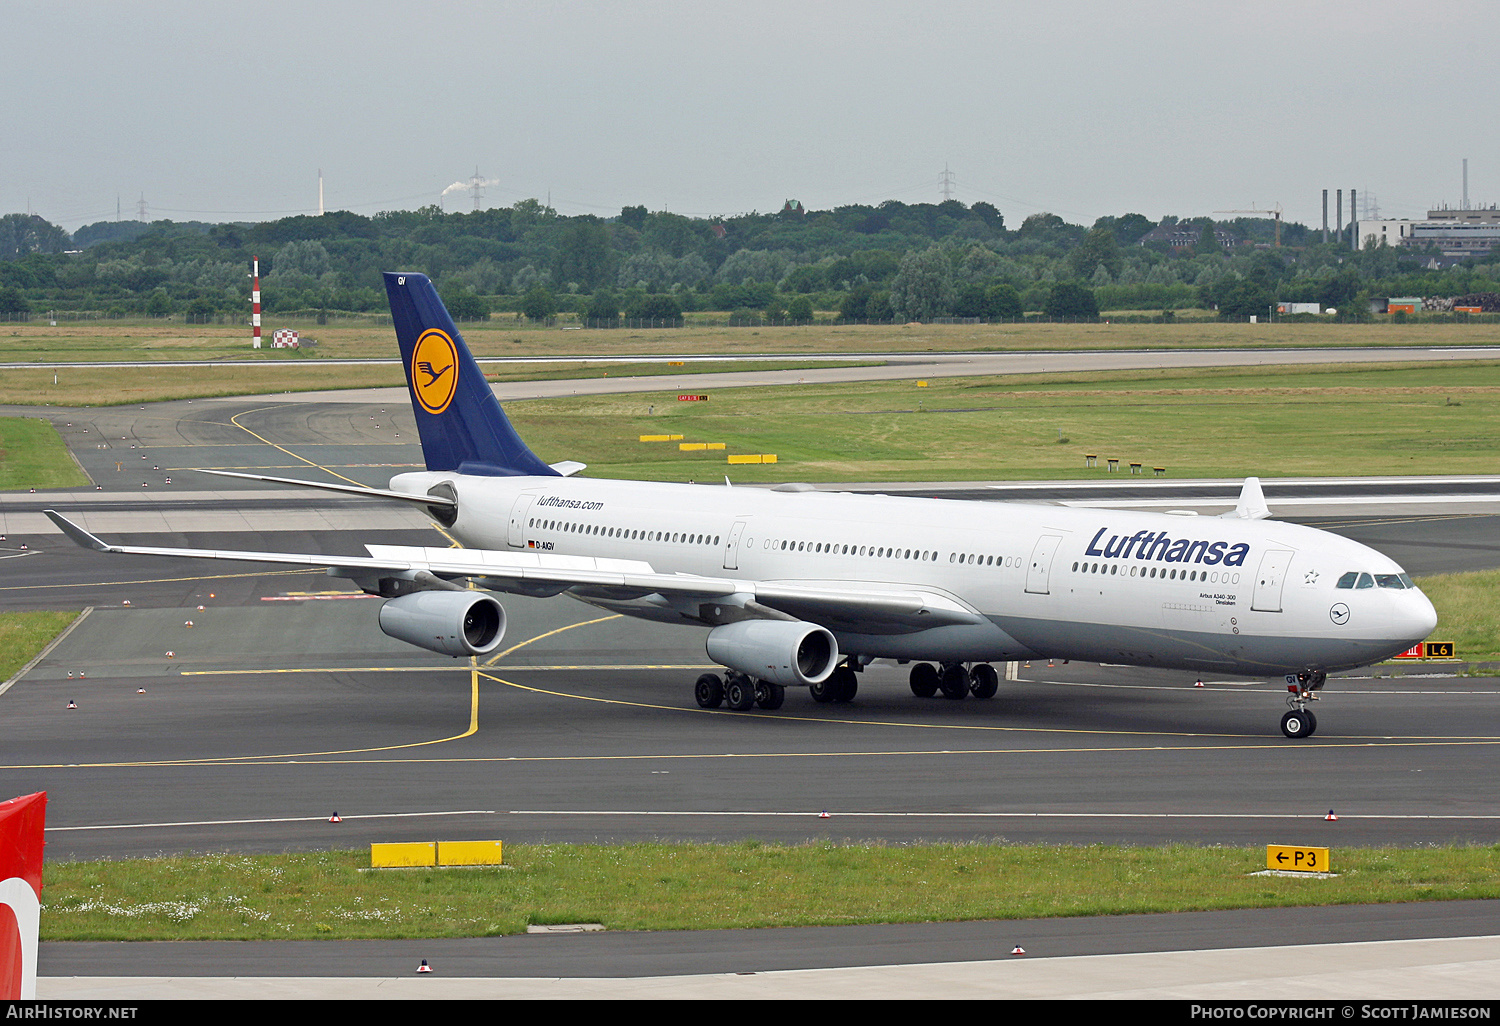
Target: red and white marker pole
pixel 255 303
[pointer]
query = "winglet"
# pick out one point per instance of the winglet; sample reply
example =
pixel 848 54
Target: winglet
pixel 79 536
pixel 1252 504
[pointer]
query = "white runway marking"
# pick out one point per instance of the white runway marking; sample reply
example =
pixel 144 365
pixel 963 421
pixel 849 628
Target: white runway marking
pixel 283 819
pixel 792 814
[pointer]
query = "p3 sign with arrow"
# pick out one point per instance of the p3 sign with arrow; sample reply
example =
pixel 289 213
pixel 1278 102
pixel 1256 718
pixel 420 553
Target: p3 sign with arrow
pixel 1297 858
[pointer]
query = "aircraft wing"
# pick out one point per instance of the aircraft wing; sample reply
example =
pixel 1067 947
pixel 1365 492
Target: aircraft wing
pixel 869 607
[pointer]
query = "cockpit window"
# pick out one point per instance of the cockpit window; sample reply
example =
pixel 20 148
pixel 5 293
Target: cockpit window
pixel 1355 579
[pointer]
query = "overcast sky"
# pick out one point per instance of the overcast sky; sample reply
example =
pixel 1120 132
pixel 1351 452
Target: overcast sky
pixel 226 111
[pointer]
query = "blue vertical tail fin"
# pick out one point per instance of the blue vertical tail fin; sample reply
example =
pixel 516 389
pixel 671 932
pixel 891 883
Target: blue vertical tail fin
pixel 459 420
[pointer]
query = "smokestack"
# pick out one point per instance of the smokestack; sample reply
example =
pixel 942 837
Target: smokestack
pixel 1353 221
pixel 320 192
pixel 1338 220
pixel 1325 217
pixel 1466 183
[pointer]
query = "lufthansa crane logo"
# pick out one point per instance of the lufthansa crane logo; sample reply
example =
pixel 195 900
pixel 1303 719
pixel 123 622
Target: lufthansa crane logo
pixel 434 370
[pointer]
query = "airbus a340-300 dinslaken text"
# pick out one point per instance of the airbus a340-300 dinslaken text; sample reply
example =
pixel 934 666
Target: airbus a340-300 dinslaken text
pixel 797 587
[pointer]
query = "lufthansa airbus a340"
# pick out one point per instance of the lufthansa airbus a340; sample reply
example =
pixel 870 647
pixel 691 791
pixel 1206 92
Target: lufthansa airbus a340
pixel 797 587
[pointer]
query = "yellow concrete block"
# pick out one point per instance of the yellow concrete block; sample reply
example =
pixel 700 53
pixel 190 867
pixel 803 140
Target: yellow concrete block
pixel 661 438
pixel 692 446
pixel 390 856
pixel 715 445
pixel 769 457
pixel 921 384
pixel 745 459
pixel 469 853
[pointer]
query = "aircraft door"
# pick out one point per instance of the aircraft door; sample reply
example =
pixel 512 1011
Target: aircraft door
pixel 1039 573
pixel 1268 582
pixel 518 514
pixel 732 545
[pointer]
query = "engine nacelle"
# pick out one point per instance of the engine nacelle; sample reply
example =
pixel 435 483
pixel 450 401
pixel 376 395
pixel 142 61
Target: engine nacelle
pixel 786 652
pixel 454 623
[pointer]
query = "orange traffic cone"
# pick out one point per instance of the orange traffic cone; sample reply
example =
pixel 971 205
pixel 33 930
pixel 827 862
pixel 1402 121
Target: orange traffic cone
pixel 1330 818
pixel 335 818
pixel 424 967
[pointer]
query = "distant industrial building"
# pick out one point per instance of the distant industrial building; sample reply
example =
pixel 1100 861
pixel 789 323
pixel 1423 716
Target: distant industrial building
pixel 1458 234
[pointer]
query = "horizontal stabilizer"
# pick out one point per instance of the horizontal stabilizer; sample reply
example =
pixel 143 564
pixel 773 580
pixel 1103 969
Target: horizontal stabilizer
pixel 1252 504
pixel 375 493
pixel 567 468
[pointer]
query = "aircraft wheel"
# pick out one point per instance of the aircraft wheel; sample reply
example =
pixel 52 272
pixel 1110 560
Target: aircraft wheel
pixel 984 681
pixel 954 682
pixel 769 696
pixel 709 691
pixel 739 693
pixel 845 684
pixel 924 680
pixel 824 690
pixel 1299 723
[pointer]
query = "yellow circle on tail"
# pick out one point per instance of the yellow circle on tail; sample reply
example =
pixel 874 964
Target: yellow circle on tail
pixel 434 370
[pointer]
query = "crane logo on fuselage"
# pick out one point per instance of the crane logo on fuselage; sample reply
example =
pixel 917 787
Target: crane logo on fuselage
pixel 1156 545
pixel 434 370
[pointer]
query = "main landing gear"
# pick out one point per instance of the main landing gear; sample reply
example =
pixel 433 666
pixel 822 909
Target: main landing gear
pixel 839 686
pixel 1303 688
pixel 954 681
pixel 738 691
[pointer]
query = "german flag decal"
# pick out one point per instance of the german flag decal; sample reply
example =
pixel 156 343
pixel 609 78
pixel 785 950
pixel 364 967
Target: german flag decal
pixel 434 370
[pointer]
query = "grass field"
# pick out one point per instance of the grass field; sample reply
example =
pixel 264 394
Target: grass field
pixel 703 887
pixel 1468 607
pixel 75 341
pixel 1277 422
pixel 32 455
pixel 23 635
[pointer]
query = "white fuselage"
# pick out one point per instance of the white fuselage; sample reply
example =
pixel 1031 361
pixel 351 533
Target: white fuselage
pixel 1204 593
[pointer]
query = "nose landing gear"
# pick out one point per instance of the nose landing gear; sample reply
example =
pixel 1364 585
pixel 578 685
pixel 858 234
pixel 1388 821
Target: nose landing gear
pixel 1303 688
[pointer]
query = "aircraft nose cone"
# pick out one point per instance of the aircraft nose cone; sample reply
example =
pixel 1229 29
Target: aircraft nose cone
pixel 1419 617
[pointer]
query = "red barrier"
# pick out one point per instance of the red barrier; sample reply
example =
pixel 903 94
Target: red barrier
pixel 22 821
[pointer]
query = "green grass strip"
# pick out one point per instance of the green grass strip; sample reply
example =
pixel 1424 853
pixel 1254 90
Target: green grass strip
pixel 699 887
pixel 23 635
pixel 1468 607
pixel 32 455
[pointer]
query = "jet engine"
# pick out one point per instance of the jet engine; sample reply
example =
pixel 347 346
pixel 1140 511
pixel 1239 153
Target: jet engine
pixel 454 623
pixel 785 652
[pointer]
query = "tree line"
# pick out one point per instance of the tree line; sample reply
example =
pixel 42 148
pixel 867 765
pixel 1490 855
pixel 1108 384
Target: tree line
pixel 889 262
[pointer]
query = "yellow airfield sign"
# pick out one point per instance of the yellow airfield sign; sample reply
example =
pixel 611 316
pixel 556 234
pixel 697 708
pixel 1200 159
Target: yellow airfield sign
pixel 1297 858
